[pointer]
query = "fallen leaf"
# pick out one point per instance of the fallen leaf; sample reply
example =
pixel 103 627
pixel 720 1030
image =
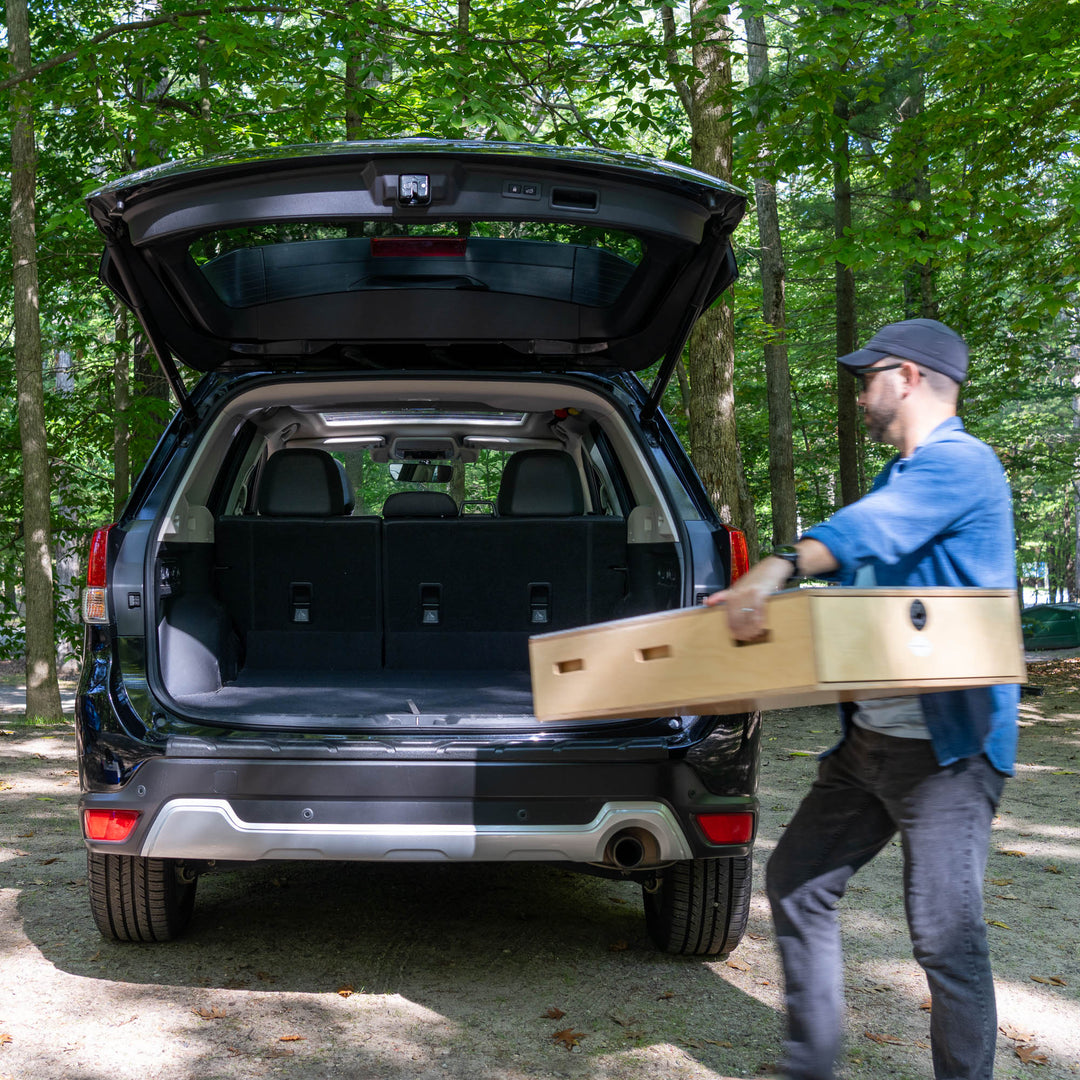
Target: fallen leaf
pixel 1052 869
pixel 24 835
pixel 667 995
pixel 48 862
pixel 5 731
pixel 802 753
pixel 6 785
pixel 994 922
pixel 568 1037
pixel 891 1039
pixel 1039 979
pixel 291 1038
pixel 1001 882
pixel 922 1045
pixel 1030 1055
pixel 265 976
pixel 347 990
pixel 616 899
pixel 210 1014
pixel 1063 772
pixel 738 965
pixel 281 1052
pixel 926 1005
pixel 5 1038
pixel 1016 1034
pixel 757 937
pixel 1006 896
pixel 554 1014
pixel 1057 980
pixel 618 946
pixel 234 1049
pixel 719 1042
pixel 1014 854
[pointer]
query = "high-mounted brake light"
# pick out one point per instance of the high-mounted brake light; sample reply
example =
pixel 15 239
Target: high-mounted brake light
pixel 109 824
pixel 727 828
pixel 95 608
pixel 740 553
pixel 412 247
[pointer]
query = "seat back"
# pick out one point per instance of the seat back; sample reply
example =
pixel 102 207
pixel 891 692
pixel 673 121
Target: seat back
pixel 302 580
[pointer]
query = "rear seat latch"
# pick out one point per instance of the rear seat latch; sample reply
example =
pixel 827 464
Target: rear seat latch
pixel 430 602
pixel 539 602
pixel 300 599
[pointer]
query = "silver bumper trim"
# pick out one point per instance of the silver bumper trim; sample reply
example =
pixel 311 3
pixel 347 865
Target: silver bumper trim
pixel 211 829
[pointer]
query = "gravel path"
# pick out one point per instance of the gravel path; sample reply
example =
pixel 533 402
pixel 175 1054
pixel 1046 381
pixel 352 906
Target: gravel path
pixel 421 972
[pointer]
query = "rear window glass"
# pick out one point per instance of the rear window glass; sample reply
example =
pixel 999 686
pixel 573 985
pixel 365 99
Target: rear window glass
pixel 270 263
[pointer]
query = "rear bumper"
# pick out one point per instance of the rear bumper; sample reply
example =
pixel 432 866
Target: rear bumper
pixel 211 829
pixel 392 810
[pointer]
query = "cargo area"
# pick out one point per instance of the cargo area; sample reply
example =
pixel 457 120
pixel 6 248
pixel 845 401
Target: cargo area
pixel 292 585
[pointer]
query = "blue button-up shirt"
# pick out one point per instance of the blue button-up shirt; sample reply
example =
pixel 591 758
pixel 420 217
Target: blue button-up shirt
pixel 943 517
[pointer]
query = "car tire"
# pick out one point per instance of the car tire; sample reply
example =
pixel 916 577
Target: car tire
pixel 137 899
pixel 700 907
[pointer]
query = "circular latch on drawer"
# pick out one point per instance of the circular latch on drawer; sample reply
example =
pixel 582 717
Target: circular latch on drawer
pixel 918 614
pixel 307 813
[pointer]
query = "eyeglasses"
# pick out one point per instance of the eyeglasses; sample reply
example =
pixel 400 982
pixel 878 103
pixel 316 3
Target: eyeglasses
pixel 864 374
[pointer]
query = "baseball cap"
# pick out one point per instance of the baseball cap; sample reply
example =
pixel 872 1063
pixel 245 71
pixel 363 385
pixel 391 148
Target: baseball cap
pixel 925 341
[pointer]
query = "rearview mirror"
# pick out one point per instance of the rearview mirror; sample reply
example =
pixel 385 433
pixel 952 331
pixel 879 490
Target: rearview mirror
pixel 421 472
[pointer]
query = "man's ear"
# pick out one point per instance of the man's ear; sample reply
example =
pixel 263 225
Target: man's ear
pixel 911 374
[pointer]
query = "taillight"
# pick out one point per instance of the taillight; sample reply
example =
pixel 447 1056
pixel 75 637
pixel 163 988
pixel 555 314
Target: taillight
pixel 740 553
pixel 411 247
pixel 727 828
pixel 109 824
pixel 95 608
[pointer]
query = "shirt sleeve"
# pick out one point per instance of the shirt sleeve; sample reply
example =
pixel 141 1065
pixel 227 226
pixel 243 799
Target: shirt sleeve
pixel 916 501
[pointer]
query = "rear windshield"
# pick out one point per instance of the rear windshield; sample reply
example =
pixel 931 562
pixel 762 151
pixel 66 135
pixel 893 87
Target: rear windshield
pixel 269 263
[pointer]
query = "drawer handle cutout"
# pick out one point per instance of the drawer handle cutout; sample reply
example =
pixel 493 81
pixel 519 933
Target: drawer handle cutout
pixel 567 667
pixel 655 652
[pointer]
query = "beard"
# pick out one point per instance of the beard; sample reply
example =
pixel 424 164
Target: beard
pixel 878 416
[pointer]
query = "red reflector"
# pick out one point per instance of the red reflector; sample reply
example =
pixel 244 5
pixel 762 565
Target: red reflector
pixel 99 550
pixel 418 246
pixel 740 554
pixel 109 824
pixel 727 828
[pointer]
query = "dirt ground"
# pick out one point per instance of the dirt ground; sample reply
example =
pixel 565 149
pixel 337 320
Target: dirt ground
pixel 510 972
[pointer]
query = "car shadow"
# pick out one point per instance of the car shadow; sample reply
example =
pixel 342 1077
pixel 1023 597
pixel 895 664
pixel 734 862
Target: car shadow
pixel 453 961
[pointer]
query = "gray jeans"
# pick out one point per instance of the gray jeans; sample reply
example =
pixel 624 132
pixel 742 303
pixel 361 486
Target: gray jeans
pixel 872 787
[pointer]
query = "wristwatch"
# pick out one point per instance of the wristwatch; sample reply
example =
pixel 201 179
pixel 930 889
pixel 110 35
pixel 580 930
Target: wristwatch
pixel 790 554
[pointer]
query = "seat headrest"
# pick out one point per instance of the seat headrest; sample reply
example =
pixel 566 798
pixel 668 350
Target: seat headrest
pixel 427 504
pixel 304 482
pixel 540 483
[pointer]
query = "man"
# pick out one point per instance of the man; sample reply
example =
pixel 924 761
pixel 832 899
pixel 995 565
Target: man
pixel 930 767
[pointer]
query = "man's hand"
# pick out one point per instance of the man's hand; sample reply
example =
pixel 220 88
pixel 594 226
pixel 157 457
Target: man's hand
pixel 745 600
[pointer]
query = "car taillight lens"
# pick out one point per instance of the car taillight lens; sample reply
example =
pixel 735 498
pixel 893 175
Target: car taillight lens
pixel 109 824
pixel 727 828
pixel 95 608
pixel 411 247
pixel 740 553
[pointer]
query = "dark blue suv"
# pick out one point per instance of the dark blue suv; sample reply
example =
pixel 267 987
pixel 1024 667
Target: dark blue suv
pixel 418 438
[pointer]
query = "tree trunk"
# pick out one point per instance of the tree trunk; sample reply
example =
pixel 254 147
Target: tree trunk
pixel 714 444
pixel 42 689
pixel 777 371
pixel 847 412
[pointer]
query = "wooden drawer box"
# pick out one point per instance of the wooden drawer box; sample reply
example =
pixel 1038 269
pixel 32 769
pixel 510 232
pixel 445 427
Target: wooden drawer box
pixel 823 644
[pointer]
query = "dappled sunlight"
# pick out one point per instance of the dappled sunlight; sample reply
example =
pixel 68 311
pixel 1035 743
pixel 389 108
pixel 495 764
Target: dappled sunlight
pixel 1050 1016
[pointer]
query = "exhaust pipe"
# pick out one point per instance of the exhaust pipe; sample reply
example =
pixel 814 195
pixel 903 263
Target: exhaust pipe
pixel 631 848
